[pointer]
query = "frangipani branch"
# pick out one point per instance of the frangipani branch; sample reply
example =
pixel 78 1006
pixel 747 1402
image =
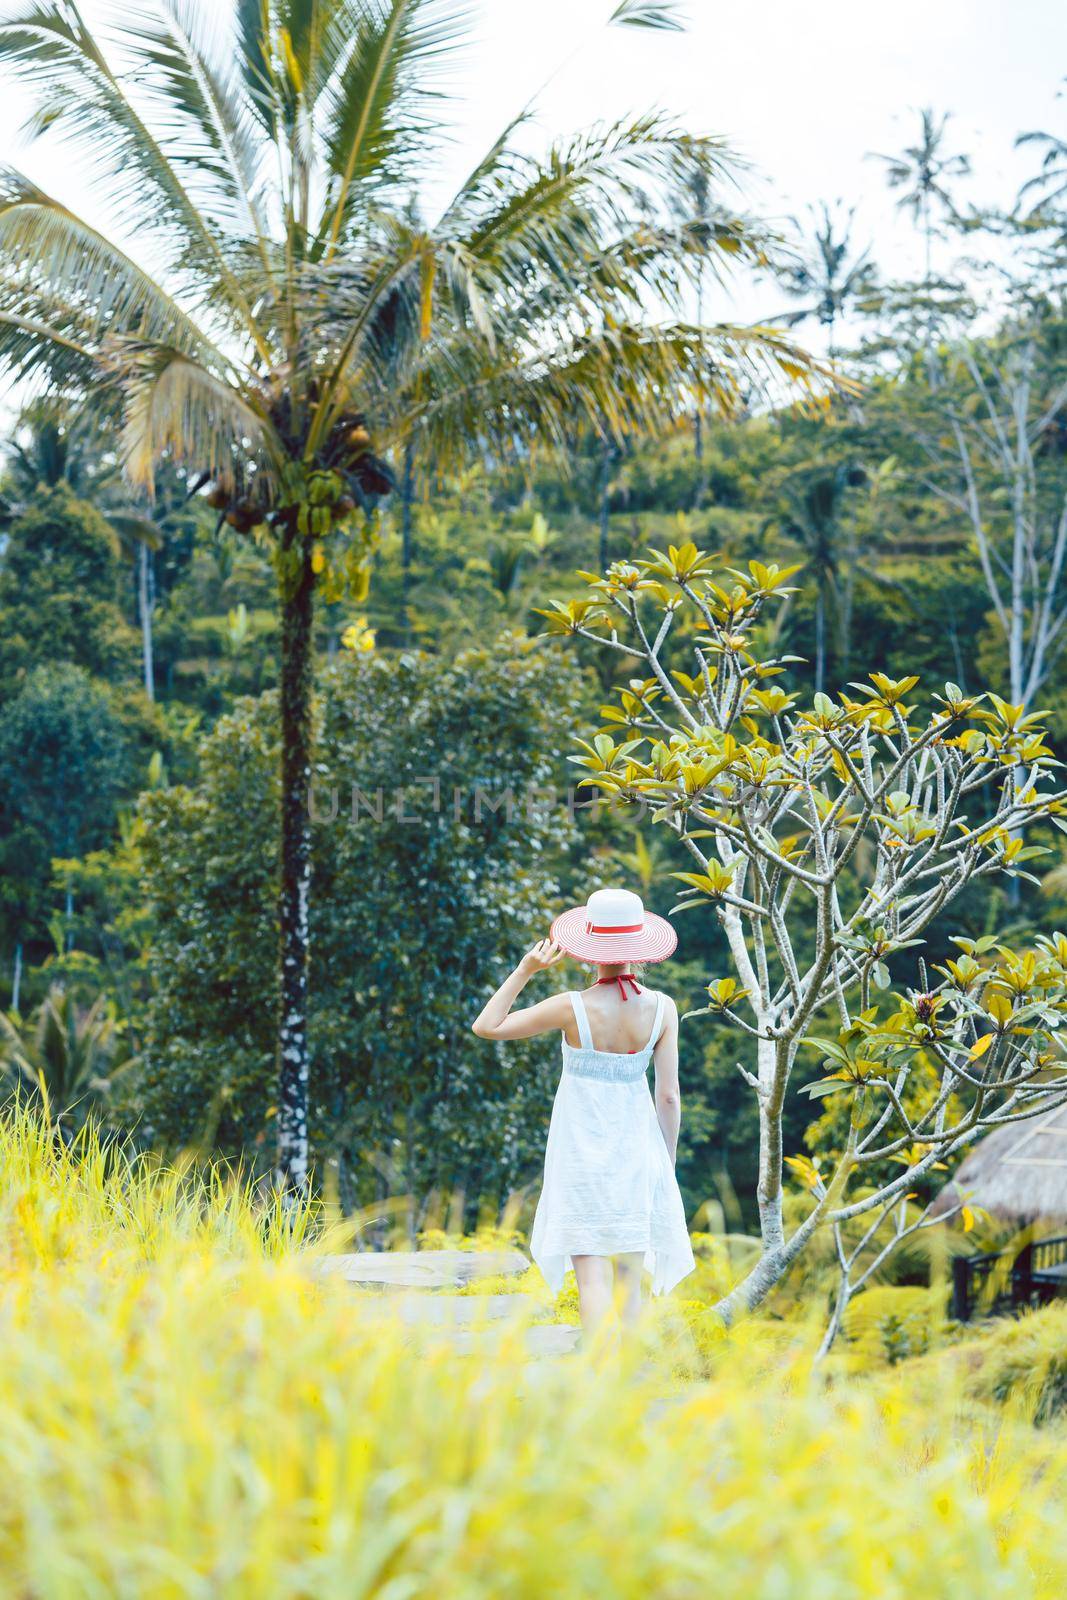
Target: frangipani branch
pixel 828 837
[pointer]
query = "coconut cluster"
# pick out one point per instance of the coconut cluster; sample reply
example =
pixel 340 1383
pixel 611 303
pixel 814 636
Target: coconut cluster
pixel 359 478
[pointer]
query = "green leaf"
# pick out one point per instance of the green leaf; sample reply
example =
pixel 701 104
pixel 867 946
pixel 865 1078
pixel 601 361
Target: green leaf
pixel 829 1047
pixel 822 1087
pixel 861 1109
pixel 664 15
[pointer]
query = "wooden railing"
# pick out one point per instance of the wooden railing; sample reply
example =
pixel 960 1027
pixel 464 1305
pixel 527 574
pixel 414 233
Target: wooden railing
pixel 1009 1280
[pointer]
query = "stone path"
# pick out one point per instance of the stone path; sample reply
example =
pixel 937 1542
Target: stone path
pixel 418 1284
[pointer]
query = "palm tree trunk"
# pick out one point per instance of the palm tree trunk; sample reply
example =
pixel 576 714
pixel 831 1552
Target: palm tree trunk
pixel 928 331
pixel 820 641
pixel 845 601
pixel 698 419
pixel 144 604
pixel 407 491
pixel 606 457
pixel 295 872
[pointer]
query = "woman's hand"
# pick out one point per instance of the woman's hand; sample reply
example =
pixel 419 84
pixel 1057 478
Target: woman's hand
pixel 545 953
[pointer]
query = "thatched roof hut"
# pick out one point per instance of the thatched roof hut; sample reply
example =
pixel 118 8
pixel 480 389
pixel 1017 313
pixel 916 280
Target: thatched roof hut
pixel 1017 1173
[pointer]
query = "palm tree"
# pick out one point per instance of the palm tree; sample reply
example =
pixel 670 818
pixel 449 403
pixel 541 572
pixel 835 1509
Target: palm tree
pixel 1048 187
pixel 290 320
pixel 65 1056
pixel 50 446
pixel 1052 178
pixel 923 171
pixel 812 507
pixel 56 443
pixel 829 277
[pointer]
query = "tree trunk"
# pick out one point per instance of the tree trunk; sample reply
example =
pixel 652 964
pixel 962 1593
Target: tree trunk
pixel 607 455
pixel 16 985
pixel 295 872
pixel 928 331
pixel 698 419
pixel 406 495
pixel 820 641
pixel 144 605
pixel 837 1317
pixel 769 1186
pixel 769 1271
pixel 701 493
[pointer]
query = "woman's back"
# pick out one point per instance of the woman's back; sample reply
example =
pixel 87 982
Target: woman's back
pixel 616 1026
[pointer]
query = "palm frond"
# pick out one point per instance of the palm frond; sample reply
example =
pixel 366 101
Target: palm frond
pixel 664 15
pixel 77 93
pixel 255 64
pixel 545 216
pixel 35 348
pixel 184 62
pixel 56 254
pixel 372 319
pixel 375 109
pixel 1051 177
pixel 175 407
pixel 612 280
pixel 619 381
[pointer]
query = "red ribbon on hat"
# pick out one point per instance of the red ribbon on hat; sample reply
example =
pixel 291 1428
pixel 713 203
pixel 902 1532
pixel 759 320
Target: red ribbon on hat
pixel 631 927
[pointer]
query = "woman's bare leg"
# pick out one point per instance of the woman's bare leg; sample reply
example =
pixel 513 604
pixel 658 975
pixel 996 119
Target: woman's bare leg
pixel 594 1289
pixel 628 1269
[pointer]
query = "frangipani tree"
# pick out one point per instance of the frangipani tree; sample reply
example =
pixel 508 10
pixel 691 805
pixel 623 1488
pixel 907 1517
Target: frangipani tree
pixel 288 316
pixel 828 836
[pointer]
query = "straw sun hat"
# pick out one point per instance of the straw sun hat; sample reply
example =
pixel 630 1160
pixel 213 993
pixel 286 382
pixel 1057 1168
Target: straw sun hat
pixel 614 926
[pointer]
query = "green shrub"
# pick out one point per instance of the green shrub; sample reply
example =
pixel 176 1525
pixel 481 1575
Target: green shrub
pixel 1020 1362
pixel 887 1323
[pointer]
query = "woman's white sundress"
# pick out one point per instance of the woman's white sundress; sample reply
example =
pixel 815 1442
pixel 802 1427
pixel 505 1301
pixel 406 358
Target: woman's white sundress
pixel 609 1183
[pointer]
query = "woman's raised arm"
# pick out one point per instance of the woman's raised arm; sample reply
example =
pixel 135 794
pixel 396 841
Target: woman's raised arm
pixel 496 1020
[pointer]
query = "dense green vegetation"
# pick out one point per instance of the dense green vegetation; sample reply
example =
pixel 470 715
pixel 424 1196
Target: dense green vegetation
pixel 141 737
pixel 903 590
pixel 373 584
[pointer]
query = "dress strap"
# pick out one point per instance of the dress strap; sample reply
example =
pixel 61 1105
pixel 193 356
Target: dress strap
pixel 582 1020
pixel 656 1022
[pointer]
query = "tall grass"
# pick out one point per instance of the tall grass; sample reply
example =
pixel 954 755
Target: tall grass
pixel 187 1410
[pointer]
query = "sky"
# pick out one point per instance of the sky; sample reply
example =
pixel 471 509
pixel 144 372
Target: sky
pixel 802 92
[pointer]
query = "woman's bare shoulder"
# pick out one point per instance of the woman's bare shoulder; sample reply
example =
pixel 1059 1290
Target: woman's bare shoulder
pixel 670 1006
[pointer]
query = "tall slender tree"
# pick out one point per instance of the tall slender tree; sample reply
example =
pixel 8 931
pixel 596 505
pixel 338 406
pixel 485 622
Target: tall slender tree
pixel 282 321
pixel 1045 194
pixel 924 172
pixel 812 515
pixel 58 443
pixel 829 275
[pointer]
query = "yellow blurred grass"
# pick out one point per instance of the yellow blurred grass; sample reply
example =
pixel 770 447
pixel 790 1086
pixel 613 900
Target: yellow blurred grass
pixel 187 1411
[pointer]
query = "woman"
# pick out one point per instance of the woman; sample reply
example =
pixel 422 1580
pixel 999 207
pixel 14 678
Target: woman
pixel 610 1193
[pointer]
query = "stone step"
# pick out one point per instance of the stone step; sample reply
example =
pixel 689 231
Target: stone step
pixel 416 1308
pixel 543 1339
pixel 421 1269
pixel 418 1284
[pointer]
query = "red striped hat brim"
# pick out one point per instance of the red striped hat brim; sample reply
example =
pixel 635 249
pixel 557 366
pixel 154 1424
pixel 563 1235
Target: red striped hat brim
pixel 656 941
